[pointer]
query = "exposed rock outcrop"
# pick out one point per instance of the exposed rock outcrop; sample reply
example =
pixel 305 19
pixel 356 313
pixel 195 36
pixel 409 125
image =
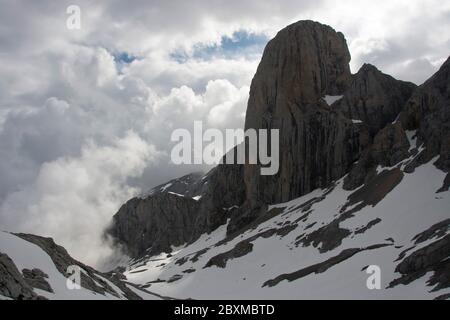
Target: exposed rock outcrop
pixel 12 283
pixel 322 266
pixel 374 98
pixel 37 279
pixel 190 185
pixel 156 223
pixel 389 147
pixel 167 218
pixel 241 249
pixel 431 258
pixel 428 112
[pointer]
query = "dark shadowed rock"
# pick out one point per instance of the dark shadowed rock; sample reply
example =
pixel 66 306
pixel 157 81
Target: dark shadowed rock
pixel 370 225
pixel 389 147
pixel 241 249
pixel 428 112
pixel 189 185
pixel 12 283
pixel 155 223
pixel 374 98
pixel 431 258
pixel 437 230
pixel 36 279
pixel 372 192
pixel 162 219
pixel 328 237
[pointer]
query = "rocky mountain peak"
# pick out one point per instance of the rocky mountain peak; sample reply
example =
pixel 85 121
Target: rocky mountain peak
pixel 374 98
pixel 303 63
pixel 440 80
pixel 368 67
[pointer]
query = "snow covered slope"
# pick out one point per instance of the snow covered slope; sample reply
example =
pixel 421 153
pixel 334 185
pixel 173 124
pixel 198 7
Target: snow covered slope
pixel 35 269
pixel 320 245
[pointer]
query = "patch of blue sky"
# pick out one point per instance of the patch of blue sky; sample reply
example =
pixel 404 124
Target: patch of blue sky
pixel 122 59
pixel 241 44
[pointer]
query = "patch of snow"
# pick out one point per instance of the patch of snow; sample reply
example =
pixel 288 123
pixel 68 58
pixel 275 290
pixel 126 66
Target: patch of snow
pixel 332 99
pixel 396 119
pixel 231 208
pixel 412 138
pixel 164 188
pixel 176 194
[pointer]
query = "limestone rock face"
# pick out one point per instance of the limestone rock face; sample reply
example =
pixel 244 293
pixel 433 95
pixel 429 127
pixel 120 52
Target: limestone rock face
pixel 302 64
pixel 189 185
pixel 226 187
pixel 389 147
pixel 374 98
pixel 428 112
pixel 155 223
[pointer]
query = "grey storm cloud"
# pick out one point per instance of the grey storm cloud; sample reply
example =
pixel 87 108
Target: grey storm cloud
pixel 82 130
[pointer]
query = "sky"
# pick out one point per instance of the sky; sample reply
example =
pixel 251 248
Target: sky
pixel 86 115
